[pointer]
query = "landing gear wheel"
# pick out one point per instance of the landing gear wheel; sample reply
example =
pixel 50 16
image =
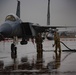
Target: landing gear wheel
pixel 23 42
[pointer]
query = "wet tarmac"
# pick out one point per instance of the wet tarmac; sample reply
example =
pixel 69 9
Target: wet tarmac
pixel 63 63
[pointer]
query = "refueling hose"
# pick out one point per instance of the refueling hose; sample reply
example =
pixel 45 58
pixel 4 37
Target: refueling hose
pixel 66 46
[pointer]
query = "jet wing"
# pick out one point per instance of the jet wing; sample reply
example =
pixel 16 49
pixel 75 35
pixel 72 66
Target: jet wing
pixel 31 28
pixel 45 28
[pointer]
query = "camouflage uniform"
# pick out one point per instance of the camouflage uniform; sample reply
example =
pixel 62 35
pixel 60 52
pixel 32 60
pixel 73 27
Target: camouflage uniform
pixel 39 47
pixel 38 41
pixel 57 42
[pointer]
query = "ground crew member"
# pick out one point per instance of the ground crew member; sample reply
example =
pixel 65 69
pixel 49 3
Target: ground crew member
pixel 57 41
pixel 38 41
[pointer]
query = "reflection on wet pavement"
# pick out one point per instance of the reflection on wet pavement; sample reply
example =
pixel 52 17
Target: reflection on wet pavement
pixel 39 63
pixel 56 63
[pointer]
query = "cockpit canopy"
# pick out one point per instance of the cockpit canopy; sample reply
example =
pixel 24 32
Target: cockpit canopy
pixel 10 18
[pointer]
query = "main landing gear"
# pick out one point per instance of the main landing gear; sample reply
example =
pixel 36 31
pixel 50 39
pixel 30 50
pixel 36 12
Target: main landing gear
pixel 23 42
pixel 14 53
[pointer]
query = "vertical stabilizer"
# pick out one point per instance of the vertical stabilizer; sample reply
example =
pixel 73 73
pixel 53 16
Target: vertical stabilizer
pixel 48 13
pixel 18 9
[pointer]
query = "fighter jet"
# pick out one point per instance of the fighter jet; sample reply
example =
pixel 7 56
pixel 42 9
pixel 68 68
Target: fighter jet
pixel 14 27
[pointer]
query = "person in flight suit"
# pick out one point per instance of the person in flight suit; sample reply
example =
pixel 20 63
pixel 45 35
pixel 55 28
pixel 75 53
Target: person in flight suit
pixel 57 41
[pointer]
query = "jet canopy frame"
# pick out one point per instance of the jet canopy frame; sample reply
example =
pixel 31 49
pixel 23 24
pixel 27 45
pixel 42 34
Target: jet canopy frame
pixel 10 18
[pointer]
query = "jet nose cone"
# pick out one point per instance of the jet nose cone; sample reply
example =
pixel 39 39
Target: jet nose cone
pixel 5 29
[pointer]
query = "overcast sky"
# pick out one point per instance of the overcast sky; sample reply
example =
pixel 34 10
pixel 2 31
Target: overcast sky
pixel 62 12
